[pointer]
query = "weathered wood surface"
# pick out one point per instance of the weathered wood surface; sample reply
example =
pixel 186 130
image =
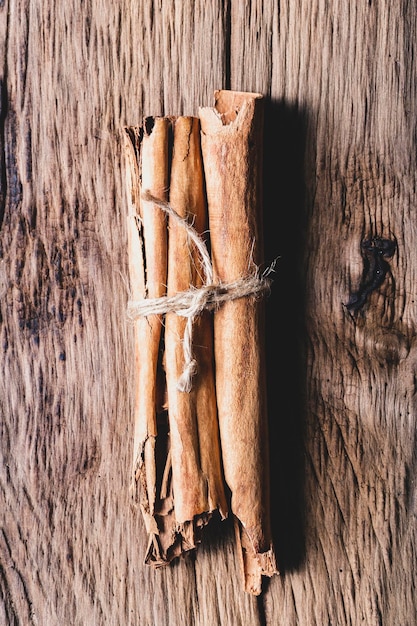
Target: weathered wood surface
pixel 340 166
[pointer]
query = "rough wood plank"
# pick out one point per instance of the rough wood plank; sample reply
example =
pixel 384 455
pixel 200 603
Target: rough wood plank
pixel 342 80
pixel 343 86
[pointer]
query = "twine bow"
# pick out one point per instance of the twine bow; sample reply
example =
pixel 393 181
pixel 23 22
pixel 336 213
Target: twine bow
pixel 190 304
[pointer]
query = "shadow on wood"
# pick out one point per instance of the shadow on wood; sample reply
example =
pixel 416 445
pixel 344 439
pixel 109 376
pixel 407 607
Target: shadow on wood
pixel 284 228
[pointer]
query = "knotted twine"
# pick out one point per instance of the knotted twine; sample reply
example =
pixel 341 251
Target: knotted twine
pixel 190 304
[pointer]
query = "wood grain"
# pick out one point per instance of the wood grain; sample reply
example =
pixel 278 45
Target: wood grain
pixel 340 166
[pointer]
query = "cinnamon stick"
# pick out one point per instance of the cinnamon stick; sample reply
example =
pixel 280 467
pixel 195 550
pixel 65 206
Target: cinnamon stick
pixel 147 164
pixel 195 448
pixel 231 141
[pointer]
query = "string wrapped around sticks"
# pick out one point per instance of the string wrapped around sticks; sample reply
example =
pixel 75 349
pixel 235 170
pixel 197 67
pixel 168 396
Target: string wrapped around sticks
pixel 189 304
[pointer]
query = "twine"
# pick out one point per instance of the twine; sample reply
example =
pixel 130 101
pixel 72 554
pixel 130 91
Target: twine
pixel 190 304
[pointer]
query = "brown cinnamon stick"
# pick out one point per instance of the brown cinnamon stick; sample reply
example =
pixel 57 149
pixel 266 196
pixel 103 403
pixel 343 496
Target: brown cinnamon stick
pixel 232 152
pixel 147 164
pixel 195 448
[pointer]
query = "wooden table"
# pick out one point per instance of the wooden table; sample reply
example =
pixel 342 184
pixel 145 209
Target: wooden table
pixel 340 180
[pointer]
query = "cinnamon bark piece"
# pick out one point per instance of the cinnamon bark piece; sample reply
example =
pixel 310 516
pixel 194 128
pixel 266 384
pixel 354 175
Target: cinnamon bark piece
pixel 148 166
pixel 232 154
pixel 198 483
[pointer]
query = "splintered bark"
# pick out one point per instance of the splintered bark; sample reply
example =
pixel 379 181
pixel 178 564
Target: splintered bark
pixel 232 154
pixel 177 463
pixel 148 165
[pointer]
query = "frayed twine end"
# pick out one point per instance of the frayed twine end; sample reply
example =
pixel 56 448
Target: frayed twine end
pixel 184 383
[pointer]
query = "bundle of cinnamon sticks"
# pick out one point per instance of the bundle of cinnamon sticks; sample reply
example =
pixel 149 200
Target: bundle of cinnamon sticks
pixel 196 302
